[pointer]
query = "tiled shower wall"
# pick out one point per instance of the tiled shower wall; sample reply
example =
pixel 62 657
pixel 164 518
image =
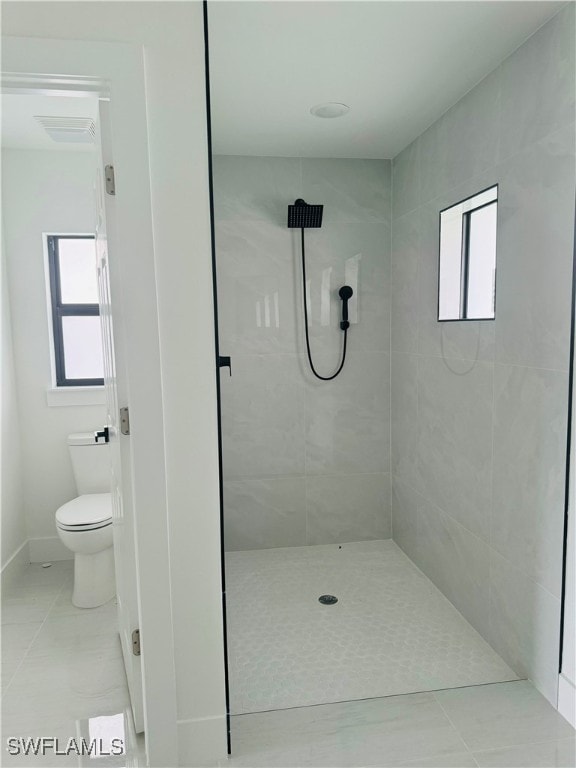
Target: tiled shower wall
pixel 305 461
pixel 479 409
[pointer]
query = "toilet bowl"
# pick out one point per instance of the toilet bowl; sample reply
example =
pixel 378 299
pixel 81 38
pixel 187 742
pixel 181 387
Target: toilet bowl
pixel 85 526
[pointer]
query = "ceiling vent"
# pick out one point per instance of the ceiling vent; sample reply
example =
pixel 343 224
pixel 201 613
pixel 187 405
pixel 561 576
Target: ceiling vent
pixel 74 130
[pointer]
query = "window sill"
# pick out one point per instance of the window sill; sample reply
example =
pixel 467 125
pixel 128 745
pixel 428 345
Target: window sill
pixel 70 396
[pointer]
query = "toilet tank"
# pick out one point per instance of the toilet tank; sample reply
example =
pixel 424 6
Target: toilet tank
pixel 90 463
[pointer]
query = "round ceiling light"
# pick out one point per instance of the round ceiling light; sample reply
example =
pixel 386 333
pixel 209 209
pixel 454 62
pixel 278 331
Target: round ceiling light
pixel 330 109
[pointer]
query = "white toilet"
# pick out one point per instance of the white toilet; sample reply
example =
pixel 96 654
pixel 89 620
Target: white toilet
pixel 85 523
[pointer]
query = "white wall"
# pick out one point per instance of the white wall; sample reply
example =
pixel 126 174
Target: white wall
pixel 172 36
pixel 13 520
pixel 43 192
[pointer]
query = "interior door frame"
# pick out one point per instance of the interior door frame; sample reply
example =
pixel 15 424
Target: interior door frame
pixel 116 70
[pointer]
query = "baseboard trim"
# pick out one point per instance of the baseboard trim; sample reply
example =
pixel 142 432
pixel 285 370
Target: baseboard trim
pixel 202 742
pixel 13 566
pixel 567 699
pixel 47 549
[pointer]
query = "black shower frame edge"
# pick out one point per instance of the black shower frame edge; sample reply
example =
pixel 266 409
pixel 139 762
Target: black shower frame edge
pixel 568 451
pixel 216 366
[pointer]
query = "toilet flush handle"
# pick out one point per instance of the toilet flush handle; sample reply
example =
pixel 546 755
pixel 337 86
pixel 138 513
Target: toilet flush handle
pixel 102 435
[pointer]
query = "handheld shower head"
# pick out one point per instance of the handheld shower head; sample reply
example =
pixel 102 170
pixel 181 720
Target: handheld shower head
pixel 303 216
pixel 345 294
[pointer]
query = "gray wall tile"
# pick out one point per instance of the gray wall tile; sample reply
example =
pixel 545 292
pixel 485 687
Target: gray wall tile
pixel 257 301
pixel 350 190
pixel 535 249
pixel 455 438
pixel 264 512
pixel 348 419
pixel 406 180
pixel 524 625
pixel 463 143
pixel 456 561
pixel 255 188
pixel 404 417
pixel 405 260
pixel 529 470
pixel 538 89
pixel 344 508
pixel 263 416
pixel 405 505
pixel 357 255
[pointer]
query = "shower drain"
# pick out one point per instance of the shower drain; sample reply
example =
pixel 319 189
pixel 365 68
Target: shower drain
pixel 327 599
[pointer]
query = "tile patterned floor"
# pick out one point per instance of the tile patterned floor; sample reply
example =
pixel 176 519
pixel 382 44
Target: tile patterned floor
pixel 62 669
pixel 391 632
pixel 497 725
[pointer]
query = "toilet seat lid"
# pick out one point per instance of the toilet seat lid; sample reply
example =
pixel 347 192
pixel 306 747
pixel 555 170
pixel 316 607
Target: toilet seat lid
pixel 87 509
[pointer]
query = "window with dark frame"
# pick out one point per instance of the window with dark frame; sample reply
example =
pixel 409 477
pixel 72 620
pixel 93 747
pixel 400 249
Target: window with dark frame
pixel 75 311
pixel 467 261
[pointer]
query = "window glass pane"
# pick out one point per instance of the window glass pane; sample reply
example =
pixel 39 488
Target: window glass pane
pixel 450 265
pixel 77 262
pixel 467 269
pixel 82 340
pixel 482 263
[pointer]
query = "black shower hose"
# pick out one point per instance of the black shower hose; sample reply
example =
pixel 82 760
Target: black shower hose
pixel 314 371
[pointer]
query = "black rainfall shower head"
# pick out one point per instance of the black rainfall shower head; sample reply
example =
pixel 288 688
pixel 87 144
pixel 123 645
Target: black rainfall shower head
pixel 302 216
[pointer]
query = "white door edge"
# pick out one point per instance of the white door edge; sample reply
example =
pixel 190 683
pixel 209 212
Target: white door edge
pixel 92 67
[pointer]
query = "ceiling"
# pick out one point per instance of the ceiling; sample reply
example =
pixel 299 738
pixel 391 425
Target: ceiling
pixel 21 131
pixel 398 65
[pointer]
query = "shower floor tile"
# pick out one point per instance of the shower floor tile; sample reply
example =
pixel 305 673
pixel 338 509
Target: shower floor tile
pixel 391 631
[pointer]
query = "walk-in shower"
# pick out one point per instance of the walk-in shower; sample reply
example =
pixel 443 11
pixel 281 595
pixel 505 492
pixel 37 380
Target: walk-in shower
pixel 414 471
